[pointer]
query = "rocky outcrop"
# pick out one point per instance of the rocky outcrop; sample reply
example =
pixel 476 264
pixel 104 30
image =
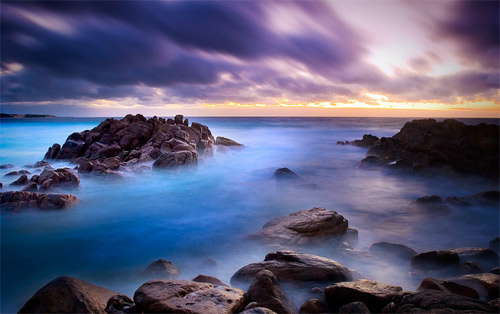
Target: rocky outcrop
pixel 134 139
pixel 428 300
pixel 447 286
pixel 300 268
pixel 368 140
pixel 6 166
pixel 223 141
pixel 183 296
pixel 51 178
pixel 486 284
pixel 304 227
pixel 14 201
pixel 450 145
pixel 68 295
pixel 160 269
pixel 16 173
pixel 391 251
pixel 20 181
pixel 373 294
pixel 266 292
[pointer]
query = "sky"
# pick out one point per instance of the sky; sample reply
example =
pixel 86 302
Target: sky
pixel 251 58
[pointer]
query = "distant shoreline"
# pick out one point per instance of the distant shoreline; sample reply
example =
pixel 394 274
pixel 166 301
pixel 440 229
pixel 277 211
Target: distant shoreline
pixel 28 115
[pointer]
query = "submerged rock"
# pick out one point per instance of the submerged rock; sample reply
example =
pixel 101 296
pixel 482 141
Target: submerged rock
pixel 161 269
pixel 485 257
pixel 6 166
pixel 183 296
pixel 20 181
pixel 266 292
pixel 14 201
pixel 302 227
pixel 68 295
pixel 433 260
pixel 373 294
pixel 367 141
pixel 434 300
pixel 447 286
pixel 486 284
pixel 285 174
pixel 226 142
pixel 391 251
pixel 295 267
pixel 495 244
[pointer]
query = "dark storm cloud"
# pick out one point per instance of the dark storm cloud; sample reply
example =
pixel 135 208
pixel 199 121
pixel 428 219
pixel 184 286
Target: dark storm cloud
pixel 475 27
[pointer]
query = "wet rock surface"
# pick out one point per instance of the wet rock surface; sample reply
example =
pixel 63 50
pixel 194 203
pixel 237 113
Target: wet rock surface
pixel 391 251
pixel 267 292
pixel 447 286
pixel 183 296
pixel 160 269
pixel 68 295
pixel 437 300
pixel 14 201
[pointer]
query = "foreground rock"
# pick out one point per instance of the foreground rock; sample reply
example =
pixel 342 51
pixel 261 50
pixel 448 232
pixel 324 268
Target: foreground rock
pixel 485 257
pixel 119 304
pixel 183 296
pixel 422 145
pixel 160 269
pixel 14 201
pixel 266 292
pixel 209 279
pixel 391 251
pixel 295 267
pixel 447 286
pixel 437 300
pixel 136 139
pixel 436 260
pixel 63 177
pixel 68 295
pixel 373 294
pixel 303 227
pixel 486 284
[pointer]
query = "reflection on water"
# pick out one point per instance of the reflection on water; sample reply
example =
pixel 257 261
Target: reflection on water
pixel 190 215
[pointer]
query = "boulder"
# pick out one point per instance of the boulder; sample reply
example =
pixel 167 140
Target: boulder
pixel 303 227
pixel 30 187
pixel 435 260
pixel 373 294
pixel 183 296
pixel 391 251
pixel 258 310
pixel 112 163
pixel 209 279
pixel 367 141
pixel 161 269
pixel 312 306
pixel 16 173
pixel 432 204
pixel 62 177
pixel 52 152
pixel 485 257
pixel 300 268
pixel 447 286
pixel 471 268
pixel 495 245
pixel 6 166
pixel 39 164
pixel 285 174
pixel 267 292
pixel 178 119
pixel 119 304
pixel 226 141
pixel 425 301
pixel 355 308
pixel 175 159
pixel 68 295
pixel 14 201
pixel 486 284
pixel 21 180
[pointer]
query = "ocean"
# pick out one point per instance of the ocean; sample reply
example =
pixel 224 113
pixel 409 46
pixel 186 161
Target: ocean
pixel 189 215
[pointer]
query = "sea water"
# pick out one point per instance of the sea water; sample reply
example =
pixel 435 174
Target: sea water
pixel 192 214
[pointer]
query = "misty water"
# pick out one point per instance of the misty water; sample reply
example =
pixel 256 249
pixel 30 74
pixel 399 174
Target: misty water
pixel 189 215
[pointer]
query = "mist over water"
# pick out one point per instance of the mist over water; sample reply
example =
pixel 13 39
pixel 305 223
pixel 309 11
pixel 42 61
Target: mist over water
pixel 189 215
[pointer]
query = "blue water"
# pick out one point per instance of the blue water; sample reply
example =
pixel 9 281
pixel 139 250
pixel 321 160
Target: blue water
pixel 191 214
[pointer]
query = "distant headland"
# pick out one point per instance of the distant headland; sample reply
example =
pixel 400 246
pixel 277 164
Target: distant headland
pixel 28 115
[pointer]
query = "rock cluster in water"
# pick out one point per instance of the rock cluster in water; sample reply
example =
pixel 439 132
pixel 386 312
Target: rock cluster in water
pixel 426 144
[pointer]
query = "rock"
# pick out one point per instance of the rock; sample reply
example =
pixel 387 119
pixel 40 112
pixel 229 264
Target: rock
pixel 6 166
pixel 63 177
pixel 367 141
pixel 119 304
pixel 447 286
pixel 486 284
pixel 21 180
pixel 391 251
pixel 312 306
pixel 441 260
pixel 161 269
pixel 258 310
pixel 52 152
pixel 209 279
pixel 427 146
pixel 112 163
pixel 286 174
pixel 14 201
pixel 39 164
pixel 355 308
pixel 303 227
pixel 1 185
pixel 495 304
pixel 175 159
pixel 183 296
pixel 267 292
pixel 495 270
pixel 471 268
pixel 371 162
pixel 295 267
pixel 16 173
pixel 179 119
pixel 226 141
pixel 487 258
pixel 495 245
pixel 431 204
pixel 433 300
pixel 68 295
pixel 373 294
pixel 30 187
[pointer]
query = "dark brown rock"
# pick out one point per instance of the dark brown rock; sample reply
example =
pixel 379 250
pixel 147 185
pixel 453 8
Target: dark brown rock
pixel 447 286
pixel 485 257
pixel 433 300
pixel 68 295
pixel 367 141
pixel 161 269
pixel 119 304
pixel 226 141
pixel 39 164
pixel 62 177
pixel 258 310
pixel 432 260
pixel 6 166
pixel 112 163
pixel 303 227
pixel 486 284
pixel 471 268
pixel 175 159
pixel 373 294
pixel 295 267
pixel 209 279
pixel 183 296
pixel 179 119
pixel 495 270
pixel 30 187
pixel 285 174
pixel 21 180
pixel 312 306
pixel 355 308
pixel 53 151
pixel 495 245
pixel 391 251
pixel 14 201
pixel 266 292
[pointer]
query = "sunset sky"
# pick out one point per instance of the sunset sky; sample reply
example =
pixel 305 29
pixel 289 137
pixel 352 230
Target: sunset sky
pixel 251 58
